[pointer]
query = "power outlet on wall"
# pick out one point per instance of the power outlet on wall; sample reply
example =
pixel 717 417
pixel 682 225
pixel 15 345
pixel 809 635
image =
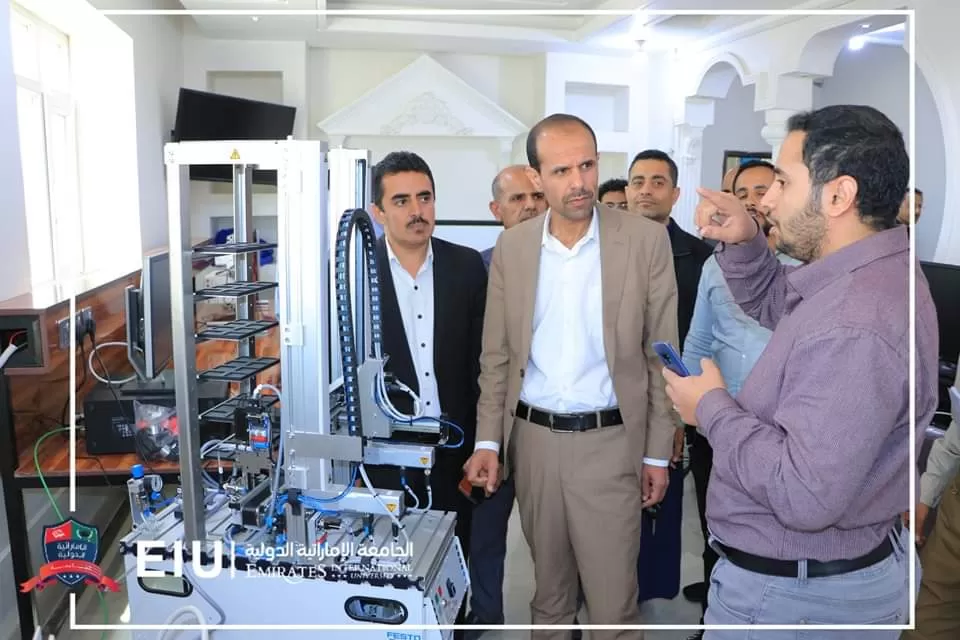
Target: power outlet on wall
pixel 63 327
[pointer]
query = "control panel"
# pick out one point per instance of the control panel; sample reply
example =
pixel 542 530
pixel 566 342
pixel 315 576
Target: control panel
pixel 448 589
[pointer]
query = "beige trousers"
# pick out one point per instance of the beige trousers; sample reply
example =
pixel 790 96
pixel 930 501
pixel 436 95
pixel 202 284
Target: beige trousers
pixel 938 605
pixel 579 500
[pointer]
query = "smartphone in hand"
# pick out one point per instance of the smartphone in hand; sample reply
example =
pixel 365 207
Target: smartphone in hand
pixel 670 358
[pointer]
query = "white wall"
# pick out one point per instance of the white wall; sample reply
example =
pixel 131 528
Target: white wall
pixel 16 271
pixel 338 77
pixel 462 166
pixel 877 76
pixel 937 59
pixel 608 92
pixel 736 127
pixel 158 74
pixel 102 60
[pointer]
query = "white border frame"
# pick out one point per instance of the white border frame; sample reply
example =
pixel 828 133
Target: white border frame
pixel 909 14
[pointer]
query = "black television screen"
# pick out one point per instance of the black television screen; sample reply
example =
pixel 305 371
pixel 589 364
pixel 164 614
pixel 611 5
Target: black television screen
pixel 202 115
pixel 944 281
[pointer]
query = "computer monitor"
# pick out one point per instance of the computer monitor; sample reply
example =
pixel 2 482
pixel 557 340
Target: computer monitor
pixel 150 320
pixel 944 281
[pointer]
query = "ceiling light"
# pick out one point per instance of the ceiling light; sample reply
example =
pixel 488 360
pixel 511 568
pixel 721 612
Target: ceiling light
pixel 255 18
pixel 865 26
pixel 856 43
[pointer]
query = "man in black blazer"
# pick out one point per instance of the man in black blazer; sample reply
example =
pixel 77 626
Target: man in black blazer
pixel 652 191
pixel 433 295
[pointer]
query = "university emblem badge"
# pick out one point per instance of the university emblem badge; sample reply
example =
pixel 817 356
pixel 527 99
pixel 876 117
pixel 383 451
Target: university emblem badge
pixel 70 551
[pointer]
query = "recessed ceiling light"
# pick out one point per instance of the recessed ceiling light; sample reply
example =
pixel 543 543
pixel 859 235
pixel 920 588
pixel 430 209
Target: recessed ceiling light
pixel 865 26
pixel 255 18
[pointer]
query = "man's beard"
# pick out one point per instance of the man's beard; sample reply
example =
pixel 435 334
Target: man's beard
pixel 801 236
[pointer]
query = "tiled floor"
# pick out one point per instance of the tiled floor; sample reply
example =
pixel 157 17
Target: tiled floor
pixel 518 588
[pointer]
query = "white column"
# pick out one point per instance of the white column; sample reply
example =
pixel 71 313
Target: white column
pixel 697 115
pixel 775 129
pixel 689 159
pixel 505 158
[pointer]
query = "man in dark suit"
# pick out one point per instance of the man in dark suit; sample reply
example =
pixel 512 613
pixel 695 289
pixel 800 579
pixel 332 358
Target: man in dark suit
pixel 652 192
pixel 433 295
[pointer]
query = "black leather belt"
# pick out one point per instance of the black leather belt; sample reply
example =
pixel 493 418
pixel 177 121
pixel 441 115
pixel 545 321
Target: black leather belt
pixel 569 422
pixel 815 569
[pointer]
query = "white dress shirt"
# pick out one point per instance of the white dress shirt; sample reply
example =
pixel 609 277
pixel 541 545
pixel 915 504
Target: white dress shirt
pixel 415 299
pixel 568 370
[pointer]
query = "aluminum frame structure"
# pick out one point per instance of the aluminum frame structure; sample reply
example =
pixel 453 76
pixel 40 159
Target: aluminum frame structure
pixel 303 274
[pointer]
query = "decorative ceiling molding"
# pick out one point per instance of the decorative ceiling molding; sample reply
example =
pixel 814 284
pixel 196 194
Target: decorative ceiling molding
pixel 423 99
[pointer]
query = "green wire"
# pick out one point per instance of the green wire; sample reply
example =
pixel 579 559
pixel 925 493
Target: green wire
pixel 56 509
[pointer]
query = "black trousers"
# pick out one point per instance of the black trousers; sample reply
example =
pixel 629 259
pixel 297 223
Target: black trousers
pixel 488 553
pixel 701 464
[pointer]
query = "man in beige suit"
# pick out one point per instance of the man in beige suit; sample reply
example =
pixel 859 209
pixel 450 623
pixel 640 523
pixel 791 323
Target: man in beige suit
pixel 571 396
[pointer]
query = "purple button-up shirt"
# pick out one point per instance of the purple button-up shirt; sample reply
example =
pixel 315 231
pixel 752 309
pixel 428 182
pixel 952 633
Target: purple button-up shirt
pixel 811 460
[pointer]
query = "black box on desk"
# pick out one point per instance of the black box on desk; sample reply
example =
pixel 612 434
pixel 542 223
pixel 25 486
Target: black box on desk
pixel 110 427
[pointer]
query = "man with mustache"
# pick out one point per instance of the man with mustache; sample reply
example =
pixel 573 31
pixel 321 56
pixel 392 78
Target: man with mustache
pixel 720 330
pixel 811 459
pixel 750 184
pixel 432 296
pixel 570 405
pixel 515 200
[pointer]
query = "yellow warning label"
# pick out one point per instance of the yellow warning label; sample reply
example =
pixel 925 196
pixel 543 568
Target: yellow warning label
pixel 424 460
pixel 235 155
pixel 391 507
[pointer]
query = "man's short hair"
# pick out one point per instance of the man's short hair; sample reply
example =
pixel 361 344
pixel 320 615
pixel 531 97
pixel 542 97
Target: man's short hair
pixel 557 119
pixel 860 142
pixel 398 162
pixel 613 185
pixel 750 164
pixel 656 154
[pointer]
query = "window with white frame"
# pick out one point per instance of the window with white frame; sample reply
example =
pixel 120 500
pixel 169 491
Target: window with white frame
pixel 48 148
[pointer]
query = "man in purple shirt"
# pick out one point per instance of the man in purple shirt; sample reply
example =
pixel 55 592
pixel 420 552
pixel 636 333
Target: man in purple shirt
pixel 811 460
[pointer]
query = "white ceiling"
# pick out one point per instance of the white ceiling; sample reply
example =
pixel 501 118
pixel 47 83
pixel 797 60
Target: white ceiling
pixel 475 33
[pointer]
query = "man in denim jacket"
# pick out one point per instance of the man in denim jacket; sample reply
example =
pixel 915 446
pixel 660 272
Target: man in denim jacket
pixel 720 330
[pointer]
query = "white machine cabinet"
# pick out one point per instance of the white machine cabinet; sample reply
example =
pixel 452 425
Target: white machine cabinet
pixel 318 547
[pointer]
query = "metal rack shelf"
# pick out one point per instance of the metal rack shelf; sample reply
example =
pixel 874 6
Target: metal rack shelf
pixel 239 369
pixel 236 330
pixel 237 289
pixel 303 176
pixel 232 248
pixel 224 411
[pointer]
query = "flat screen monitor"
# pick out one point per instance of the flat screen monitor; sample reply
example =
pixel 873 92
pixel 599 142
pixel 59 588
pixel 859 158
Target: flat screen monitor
pixel 204 116
pixel 944 281
pixel 150 319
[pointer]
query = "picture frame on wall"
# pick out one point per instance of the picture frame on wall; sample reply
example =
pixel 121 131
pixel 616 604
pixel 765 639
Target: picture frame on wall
pixel 733 159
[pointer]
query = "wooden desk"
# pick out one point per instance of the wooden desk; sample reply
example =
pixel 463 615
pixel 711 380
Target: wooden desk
pixel 34 402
